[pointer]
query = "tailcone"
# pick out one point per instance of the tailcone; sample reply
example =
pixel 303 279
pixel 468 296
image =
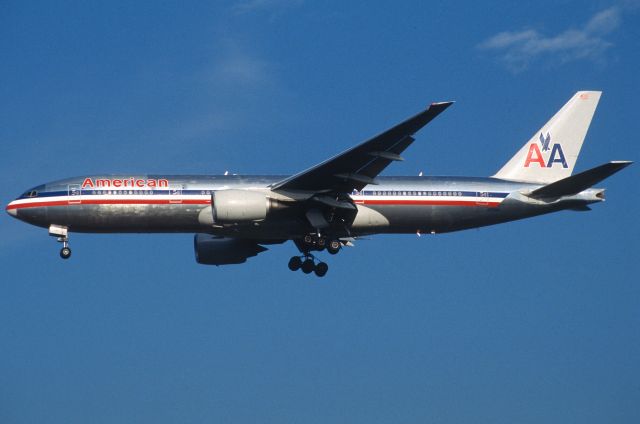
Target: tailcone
pixel 593 195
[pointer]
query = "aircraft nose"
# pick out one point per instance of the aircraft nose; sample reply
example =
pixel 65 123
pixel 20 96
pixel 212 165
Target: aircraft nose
pixel 11 209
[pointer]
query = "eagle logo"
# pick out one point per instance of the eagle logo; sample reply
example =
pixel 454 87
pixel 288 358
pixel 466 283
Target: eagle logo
pixel 535 154
pixel 544 142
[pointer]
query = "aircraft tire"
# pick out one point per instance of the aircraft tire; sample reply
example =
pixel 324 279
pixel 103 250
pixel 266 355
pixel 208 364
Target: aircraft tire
pixel 321 269
pixel 308 266
pixel 65 253
pixel 333 247
pixel 295 263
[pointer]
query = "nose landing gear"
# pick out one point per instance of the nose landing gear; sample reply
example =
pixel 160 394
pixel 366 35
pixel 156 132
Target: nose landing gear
pixel 62 234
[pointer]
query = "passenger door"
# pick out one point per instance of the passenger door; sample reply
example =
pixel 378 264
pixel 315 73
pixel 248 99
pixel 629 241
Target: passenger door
pixel 176 194
pixel 482 198
pixel 75 194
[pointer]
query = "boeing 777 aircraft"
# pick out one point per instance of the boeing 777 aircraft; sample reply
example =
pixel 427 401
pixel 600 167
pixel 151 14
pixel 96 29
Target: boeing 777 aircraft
pixel 331 204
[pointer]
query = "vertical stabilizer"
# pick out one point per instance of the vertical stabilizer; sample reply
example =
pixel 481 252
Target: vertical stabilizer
pixel 552 152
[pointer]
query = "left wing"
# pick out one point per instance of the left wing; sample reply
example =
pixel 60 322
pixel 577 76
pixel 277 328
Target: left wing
pixel 360 165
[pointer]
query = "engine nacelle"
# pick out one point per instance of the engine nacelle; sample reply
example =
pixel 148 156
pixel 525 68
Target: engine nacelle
pixel 215 250
pixel 236 206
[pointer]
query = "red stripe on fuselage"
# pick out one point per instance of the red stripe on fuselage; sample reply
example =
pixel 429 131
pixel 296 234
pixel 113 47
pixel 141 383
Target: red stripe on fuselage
pixel 429 203
pixel 207 202
pixel 110 202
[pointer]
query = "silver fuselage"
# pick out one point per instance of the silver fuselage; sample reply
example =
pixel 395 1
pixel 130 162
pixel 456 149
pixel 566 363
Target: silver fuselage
pixel 182 203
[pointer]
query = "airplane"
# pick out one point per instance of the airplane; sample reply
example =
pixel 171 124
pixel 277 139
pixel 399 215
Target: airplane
pixel 331 204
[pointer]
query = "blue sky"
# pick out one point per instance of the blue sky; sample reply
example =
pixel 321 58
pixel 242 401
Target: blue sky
pixel 532 321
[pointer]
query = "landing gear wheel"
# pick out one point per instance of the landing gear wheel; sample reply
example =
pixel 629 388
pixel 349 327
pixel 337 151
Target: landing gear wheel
pixel 333 247
pixel 308 266
pixel 321 269
pixel 65 253
pixel 295 263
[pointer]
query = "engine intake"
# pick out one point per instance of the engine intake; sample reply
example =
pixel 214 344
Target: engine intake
pixel 237 206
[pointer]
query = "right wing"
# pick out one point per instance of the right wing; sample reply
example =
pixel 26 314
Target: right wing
pixel 358 166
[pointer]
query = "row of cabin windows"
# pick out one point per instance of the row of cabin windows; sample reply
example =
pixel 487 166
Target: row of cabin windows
pixel 414 193
pixel 122 192
pixel 208 192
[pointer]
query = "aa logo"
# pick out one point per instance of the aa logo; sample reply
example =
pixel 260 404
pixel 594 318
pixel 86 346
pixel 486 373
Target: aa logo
pixel 535 155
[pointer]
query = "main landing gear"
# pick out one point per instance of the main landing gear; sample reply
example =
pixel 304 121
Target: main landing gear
pixel 309 263
pixel 317 242
pixel 63 237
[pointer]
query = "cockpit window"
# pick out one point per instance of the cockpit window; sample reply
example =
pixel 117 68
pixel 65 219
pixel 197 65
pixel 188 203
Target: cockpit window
pixel 31 193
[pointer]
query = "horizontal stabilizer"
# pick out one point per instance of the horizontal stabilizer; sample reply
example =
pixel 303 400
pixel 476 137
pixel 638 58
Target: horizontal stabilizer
pixel 579 182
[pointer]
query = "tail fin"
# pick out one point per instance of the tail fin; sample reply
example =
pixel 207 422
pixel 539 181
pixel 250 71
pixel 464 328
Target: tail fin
pixel 552 152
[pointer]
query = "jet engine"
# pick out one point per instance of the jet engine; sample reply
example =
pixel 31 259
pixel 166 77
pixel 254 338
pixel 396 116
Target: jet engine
pixel 237 206
pixel 215 250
